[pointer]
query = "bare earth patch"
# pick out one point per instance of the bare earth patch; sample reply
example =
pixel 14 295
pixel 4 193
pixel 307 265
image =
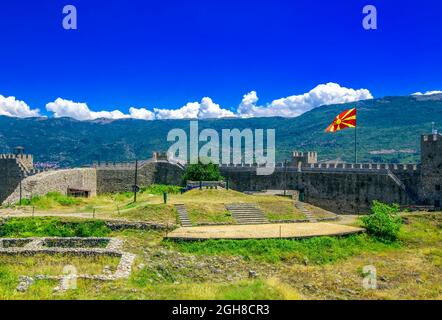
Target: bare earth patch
pixel 263 231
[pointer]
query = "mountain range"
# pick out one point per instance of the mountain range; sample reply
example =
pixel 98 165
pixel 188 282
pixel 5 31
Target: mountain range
pixel 388 130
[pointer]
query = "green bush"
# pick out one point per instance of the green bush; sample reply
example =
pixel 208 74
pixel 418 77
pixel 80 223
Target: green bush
pixel 52 227
pixel 160 189
pixel 202 172
pixel 384 221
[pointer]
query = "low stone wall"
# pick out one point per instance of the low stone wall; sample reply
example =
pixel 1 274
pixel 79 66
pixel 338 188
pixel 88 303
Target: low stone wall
pixel 62 246
pixel 55 181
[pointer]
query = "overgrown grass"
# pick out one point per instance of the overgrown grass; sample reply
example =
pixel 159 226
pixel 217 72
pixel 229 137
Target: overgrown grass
pixel 209 213
pixel 162 213
pixel 280 209
pixel 12 267
pixel 422 230
pixel 48 226
pixel 159 189
pixel 318 250
pixel 50 200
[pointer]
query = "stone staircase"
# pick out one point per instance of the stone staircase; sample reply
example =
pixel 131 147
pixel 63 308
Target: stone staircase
pixel 247 213
pixel 184 217
pixel 300 206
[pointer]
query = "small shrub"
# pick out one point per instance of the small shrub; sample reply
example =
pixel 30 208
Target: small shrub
pixel 202 172
pixel 384 221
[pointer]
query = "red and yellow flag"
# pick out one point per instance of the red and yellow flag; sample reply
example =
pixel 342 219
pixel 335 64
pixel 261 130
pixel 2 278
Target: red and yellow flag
pixel 346 119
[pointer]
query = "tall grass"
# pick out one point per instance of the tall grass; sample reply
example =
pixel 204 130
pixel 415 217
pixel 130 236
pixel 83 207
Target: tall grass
pixel 318 250
pixel 52 227
pixel 159 189
pixel 51 199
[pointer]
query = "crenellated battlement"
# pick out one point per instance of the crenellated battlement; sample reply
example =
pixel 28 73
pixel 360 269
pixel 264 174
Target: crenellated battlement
pixel 431 137
pixel 304 158
pixel 26 157
pixel 397 168
pixel 347 187
pixel 366 166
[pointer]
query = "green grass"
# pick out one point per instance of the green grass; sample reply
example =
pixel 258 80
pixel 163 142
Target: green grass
pixel 184 270
pixel 425 230
pixel 159 189
pixel 319 250
pixel 280 209
pixel 48 226
pixel 162 213
pixel 212 213
pixel 50 200
pixel 11 267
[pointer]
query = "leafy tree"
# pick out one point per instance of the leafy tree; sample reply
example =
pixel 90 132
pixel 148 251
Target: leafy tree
pixel 202 172
pixel 384 221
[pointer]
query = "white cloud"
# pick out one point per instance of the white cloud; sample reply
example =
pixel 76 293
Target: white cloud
pixel 11 107
pixel 80 111
pixel 428 93
pixel 293 106
pixel 142 114
pixel 195 110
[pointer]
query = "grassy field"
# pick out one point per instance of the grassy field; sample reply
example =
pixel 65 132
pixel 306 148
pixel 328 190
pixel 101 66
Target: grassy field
pixel 203 206
pixel 318 268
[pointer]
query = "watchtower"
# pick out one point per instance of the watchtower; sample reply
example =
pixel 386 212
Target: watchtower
pixel 157 156
pixel 304 158
pixel 431 169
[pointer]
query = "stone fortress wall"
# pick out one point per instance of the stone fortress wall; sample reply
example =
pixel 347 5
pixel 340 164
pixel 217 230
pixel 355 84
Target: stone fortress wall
pixel 121 177
pixel 55 181
pixel 339 187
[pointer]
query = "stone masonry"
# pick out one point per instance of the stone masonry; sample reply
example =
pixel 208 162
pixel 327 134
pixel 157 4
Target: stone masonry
pixel 339 187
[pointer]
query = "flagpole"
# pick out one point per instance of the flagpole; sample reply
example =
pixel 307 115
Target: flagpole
pixel 356 144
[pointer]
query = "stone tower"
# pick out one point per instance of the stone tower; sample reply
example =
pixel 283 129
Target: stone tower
pixel 304 158
pixel 431 170
pixel 13 168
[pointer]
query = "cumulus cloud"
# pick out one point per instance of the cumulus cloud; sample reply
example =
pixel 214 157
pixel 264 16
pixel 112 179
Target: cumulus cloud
pixel 11 107
pixel 195 110
pixel 142 114
pixel 293 106
pixel 428 93
pixel 80 111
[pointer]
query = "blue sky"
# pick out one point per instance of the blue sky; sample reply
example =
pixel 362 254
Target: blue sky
pixel 165 54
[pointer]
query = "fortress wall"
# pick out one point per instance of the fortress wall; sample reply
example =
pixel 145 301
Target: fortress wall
pixel 350 193
pixel 10 174
pixel 114 179
pixel 341 192
pixel 121 179
pixel 55 181
pixel 431 170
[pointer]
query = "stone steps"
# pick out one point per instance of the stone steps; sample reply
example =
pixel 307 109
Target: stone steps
pixel 246 213
pixel 184 217
pixel 300 206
